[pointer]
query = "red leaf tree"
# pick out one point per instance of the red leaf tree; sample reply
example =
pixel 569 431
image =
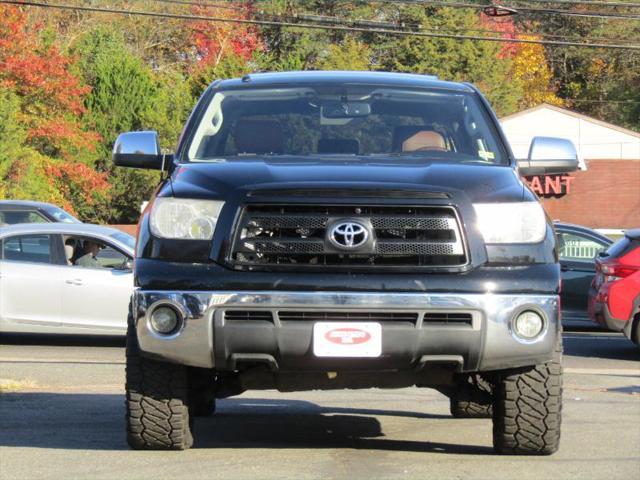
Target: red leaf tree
pixel 50 99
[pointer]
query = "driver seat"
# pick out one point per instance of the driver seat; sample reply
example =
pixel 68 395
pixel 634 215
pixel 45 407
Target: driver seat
pixel 418 139
pixel 69 250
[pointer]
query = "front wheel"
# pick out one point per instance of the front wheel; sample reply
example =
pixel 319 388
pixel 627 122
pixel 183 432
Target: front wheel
pixel 472 397
pixel 157 401
pixel 527 409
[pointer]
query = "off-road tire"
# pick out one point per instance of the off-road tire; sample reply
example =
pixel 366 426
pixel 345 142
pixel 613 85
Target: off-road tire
pixel 527 409
pixel 472 398
pixel 157 401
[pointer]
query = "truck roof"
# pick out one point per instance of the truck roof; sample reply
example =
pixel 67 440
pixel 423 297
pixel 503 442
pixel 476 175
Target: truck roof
pixel 411 80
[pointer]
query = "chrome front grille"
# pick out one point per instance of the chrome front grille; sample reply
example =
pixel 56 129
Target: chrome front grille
pixel 295 236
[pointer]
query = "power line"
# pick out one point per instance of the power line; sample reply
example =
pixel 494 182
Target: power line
pixel 453 4
pixel 318 26
pixel 600 101
pixel 194 3
pixel 376 23
pixel 519 9
pixel 585 3
pixel 449 4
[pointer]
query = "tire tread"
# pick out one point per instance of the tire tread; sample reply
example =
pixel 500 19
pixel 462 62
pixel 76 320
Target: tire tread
pixel 157 411
pixel 528 409
pixel 472 398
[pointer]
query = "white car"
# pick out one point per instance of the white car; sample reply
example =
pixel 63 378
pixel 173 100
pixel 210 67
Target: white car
pixel 65 278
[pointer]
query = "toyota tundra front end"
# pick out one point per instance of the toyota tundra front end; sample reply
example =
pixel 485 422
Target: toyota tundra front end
pixel 329 230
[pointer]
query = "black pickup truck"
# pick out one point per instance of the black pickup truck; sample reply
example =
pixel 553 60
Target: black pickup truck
pixel 330 230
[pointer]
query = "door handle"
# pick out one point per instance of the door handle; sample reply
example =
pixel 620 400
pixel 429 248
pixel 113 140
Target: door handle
pixel 75 281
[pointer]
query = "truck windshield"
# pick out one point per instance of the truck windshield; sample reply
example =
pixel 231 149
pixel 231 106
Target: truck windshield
pixel 339 121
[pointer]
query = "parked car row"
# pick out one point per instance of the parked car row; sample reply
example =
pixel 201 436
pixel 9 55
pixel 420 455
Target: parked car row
pixel 600 279
pixel 65 278
pixel 614 296
pixel 23 211
pixel 577 248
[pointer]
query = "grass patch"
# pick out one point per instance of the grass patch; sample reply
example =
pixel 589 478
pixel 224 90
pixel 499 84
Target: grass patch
pixel 10 386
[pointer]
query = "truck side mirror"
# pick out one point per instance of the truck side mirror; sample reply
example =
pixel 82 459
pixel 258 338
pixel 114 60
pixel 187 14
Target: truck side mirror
pixel 140 150
pixel 549 155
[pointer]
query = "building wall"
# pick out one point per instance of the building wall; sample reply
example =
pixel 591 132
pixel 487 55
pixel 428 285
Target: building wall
pixel 607 195
pixel 130 229
pixel 592 140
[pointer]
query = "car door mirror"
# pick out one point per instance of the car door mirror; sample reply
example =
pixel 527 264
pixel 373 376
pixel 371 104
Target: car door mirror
pixel 140 150
pixel 549 155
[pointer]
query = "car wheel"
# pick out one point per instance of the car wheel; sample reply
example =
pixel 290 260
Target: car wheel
pixel 157 412
pixel 527 409
pixel 472 398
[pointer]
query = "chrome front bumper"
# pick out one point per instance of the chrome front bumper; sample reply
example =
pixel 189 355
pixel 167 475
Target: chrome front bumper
pixel 207 340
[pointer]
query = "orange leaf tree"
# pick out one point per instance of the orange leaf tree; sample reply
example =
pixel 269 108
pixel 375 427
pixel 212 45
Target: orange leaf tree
pixel 50 157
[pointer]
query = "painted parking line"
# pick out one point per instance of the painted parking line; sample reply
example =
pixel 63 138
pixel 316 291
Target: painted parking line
pixel 625 372
pixel 596 337
pixel 60 360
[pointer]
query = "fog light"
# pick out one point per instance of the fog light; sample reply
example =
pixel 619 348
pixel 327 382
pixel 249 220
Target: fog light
pixel 528 325
pixel 164 320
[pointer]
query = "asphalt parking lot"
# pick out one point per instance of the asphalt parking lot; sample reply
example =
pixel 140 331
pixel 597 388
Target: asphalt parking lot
pixel 62 416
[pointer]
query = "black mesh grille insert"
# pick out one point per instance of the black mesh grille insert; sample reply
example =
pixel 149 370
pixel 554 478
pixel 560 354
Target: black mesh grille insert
pixel 349 316
pixel 296 236
pixel 452 318
pixel 262 315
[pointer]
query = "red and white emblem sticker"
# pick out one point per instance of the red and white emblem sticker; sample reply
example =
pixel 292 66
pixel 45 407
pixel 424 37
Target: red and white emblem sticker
pixel 347 339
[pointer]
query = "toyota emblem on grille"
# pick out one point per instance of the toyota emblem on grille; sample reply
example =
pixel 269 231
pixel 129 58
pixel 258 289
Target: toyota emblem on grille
pixel 348 235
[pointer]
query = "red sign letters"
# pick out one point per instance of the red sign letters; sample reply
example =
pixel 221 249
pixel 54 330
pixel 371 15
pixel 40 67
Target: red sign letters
pixel 550 185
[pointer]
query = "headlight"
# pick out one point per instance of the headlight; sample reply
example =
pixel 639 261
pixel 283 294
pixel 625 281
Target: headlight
pixel 184 219
pixel 522 222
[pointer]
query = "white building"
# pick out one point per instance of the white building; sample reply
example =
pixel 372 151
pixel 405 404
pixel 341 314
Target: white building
pixel 593 139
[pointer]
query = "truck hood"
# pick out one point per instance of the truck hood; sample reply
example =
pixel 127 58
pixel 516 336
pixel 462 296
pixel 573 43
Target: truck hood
pixel 221 178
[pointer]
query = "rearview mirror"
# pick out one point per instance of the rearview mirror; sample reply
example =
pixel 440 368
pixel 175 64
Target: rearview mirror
pixel 345 109
pixel 139 150
pixel 549 155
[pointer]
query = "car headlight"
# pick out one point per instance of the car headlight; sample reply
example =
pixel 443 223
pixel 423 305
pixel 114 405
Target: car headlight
pixel 184 218
pixel 522 222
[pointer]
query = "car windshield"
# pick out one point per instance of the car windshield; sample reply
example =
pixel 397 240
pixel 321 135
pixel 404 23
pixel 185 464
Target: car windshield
pixel 352 120
pixel 125 239
pixel 61 216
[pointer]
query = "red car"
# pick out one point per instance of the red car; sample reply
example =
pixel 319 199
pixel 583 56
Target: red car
pixel 614 296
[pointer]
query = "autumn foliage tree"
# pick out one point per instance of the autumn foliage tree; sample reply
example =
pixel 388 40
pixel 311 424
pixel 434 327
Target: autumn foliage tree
pixel 70 81
pixel 531 69
pixel 222 49
pixel 529 66
pixel 51 156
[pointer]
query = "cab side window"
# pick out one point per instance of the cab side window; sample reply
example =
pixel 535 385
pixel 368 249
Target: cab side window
pixel 92 253
pixel 22 216
pixel 109 257
pixel 28 248
pixel 578 248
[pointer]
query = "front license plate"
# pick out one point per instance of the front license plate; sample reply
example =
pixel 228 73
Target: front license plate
pixel 347 339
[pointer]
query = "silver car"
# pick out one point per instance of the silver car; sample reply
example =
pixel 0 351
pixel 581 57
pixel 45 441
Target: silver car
pixel 65 278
